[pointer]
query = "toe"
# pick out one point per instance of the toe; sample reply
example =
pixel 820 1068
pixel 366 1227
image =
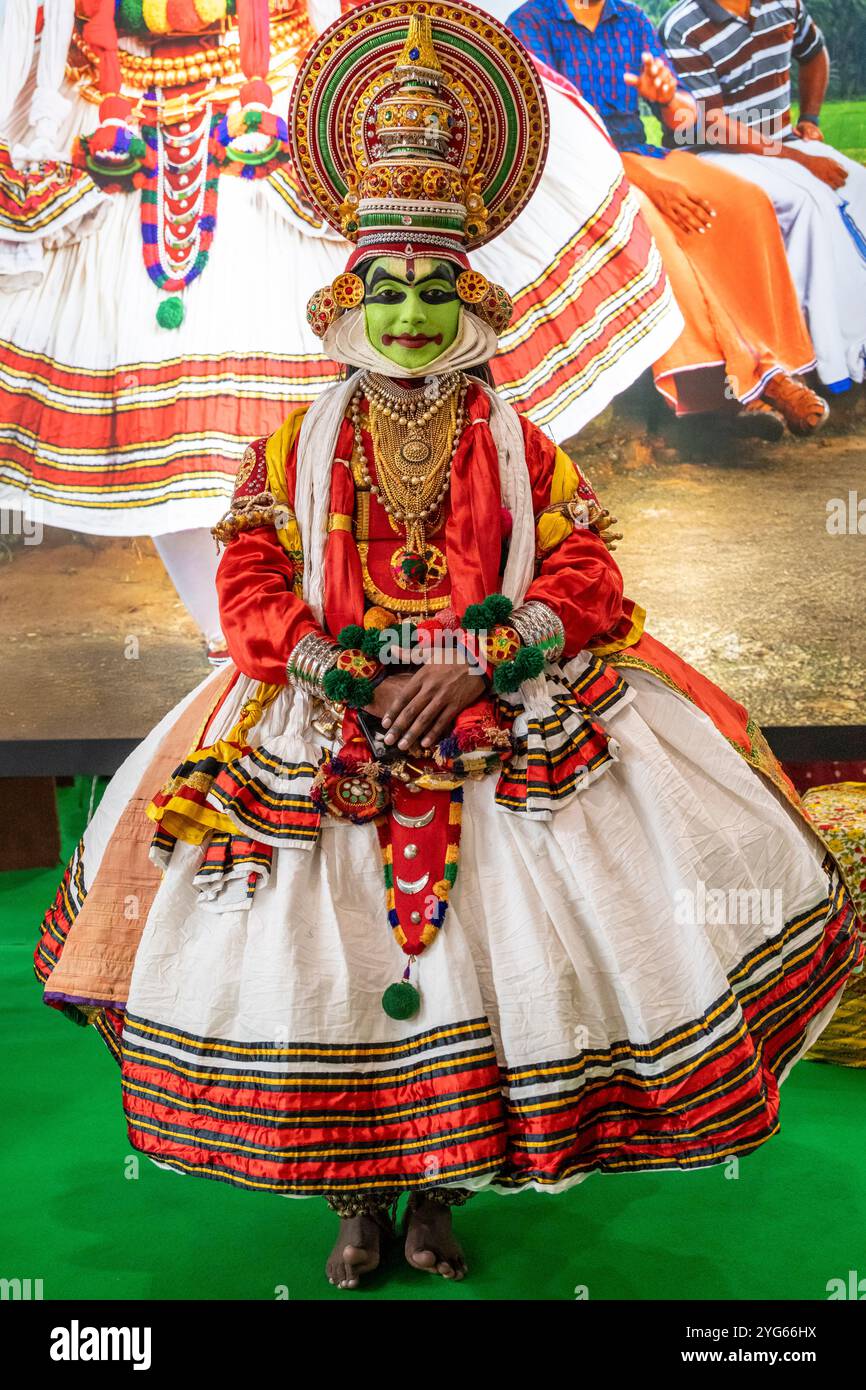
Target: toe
pixel 444 1268
pixel 358 1260
pixel 424 1259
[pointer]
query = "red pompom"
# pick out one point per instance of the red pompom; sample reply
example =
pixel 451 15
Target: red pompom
pixel 256 93
pixel 114 109
pixel 449 619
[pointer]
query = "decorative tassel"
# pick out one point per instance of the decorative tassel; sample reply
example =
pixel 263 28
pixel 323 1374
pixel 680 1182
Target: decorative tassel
pixel 402 1000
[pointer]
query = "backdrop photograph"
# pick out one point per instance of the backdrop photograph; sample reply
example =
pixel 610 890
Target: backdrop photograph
pixel 432 554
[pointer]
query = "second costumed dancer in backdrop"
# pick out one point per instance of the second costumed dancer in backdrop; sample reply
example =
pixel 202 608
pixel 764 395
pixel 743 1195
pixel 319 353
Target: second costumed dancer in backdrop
pixel 157 252
pixel 425 908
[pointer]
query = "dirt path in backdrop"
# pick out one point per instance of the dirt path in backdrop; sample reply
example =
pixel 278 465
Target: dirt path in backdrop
pixel 732 560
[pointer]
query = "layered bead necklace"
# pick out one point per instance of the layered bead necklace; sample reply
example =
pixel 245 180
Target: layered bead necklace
pixel 415 436
pixel 178 209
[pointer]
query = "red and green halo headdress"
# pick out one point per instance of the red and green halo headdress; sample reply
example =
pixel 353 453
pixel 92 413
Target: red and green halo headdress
pixel 418 129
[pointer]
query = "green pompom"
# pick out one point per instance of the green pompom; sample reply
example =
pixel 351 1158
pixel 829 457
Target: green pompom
pixel 505 678
pixel 481 617
pixel 362 692
pixel 475 617
pixel 351 636
pixel 131 16
pixel 401 1000
pixel 529 662
pixel 137 148
pixel 345 689
pixel 415 567
pixel 498 608
pixel 337 685
pixel 170 313
pixel 510 675
pixel 371 643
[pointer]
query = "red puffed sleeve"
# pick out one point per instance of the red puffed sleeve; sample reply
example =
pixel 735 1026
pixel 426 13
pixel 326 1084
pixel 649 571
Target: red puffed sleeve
pixel 578 578
pixel 262 619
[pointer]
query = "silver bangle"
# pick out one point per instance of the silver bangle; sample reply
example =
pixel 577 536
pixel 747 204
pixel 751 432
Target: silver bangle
pixel 310 660
pixel 538 625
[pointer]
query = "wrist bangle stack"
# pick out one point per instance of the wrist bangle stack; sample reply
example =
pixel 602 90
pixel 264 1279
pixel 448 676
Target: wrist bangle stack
pixel 357 668
pixel 516 650
pixel 310 660
pixel 538 625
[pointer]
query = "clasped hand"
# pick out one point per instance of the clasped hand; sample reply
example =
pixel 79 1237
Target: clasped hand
pixel 417 708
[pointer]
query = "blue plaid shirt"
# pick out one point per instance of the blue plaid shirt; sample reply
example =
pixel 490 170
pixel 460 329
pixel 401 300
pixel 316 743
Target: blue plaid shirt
pixel 595 62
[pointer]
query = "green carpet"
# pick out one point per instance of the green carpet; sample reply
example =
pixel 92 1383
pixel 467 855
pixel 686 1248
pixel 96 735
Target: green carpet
pixel 92 1219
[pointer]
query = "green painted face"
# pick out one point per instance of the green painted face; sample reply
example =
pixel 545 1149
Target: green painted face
pixel 411 322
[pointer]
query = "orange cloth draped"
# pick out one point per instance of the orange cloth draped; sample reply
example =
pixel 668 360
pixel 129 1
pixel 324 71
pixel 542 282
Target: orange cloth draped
pixel 344 582
pixel 96 962
pixel 101 33
pixel 254 26
pixel 473 532
pixel 732 284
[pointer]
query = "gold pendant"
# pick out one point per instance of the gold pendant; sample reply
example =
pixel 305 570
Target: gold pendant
pixel 416 450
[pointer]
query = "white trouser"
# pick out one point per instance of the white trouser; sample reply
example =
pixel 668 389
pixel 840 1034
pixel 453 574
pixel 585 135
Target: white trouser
pixel 191 560
pixel 828 270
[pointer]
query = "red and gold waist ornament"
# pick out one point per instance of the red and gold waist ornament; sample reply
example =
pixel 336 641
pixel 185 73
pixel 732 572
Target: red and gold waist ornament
pixel 193 65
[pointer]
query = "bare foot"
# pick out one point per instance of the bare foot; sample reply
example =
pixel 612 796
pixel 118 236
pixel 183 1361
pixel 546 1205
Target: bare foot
pixel 356 1251
pixel 431 1244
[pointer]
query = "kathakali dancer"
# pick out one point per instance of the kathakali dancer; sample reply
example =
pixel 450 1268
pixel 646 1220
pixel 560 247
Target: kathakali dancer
pixel 458 879
pixel 157 251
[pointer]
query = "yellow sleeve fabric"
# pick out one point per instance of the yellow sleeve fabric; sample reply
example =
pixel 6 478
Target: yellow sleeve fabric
pixel 554 525
pixel 279 451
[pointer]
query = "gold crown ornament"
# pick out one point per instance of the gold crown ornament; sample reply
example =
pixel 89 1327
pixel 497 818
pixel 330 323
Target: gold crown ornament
pixel 418 130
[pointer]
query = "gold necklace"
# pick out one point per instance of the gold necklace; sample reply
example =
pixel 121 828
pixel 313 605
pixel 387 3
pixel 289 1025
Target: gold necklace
pixel 414 443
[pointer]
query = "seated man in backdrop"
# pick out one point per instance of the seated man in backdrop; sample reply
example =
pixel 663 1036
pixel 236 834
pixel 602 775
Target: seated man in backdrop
pixel 745 334
pixel 735 56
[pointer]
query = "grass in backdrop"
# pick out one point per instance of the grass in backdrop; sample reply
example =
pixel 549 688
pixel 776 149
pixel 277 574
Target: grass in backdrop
pixel 843 124
pixel 92 1219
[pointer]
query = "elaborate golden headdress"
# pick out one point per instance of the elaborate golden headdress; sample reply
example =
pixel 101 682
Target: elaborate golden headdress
pixel 418 130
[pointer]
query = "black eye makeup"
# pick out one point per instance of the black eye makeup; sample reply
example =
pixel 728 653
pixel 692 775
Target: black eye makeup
pixel 385 293
pixel 436 288
pixel 435 292
pixel 439 294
